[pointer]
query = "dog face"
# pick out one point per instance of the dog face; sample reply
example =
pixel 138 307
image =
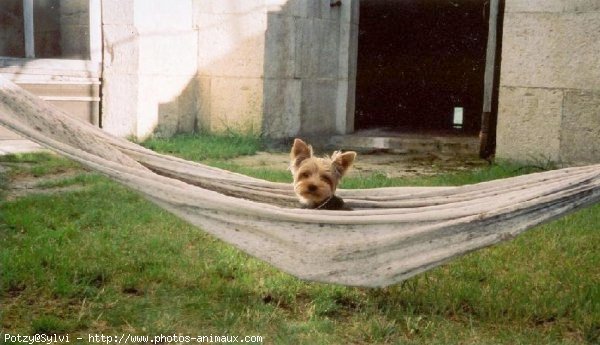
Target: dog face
pixel 316 179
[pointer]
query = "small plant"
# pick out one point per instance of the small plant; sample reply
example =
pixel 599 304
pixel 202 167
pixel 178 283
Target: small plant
pixel 416 324
pixel 49 324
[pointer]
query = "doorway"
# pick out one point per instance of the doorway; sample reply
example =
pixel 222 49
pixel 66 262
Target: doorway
pixel 421 65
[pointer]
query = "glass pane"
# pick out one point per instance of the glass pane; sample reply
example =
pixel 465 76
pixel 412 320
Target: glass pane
pixel 12 41
pixel 61 29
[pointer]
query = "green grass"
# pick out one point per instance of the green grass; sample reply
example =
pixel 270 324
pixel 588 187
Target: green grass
pixel 202 147
pixel 37 164
pixel 81 179
pixel 104 260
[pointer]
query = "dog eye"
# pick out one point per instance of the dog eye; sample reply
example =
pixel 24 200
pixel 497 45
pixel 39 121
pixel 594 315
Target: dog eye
pixel 326 179
pixel 303 175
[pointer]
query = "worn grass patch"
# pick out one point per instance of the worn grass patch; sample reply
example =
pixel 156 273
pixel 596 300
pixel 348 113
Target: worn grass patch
pixel 103 260
pixel 37 164
pixel 81 179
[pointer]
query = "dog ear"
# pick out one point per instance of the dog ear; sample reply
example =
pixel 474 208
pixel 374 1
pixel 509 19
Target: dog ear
pixel 300 151
pixel 343 161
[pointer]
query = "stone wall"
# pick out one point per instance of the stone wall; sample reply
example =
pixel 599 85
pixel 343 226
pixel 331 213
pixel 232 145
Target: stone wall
pixel 277 67
pixel 150 60
pixel 231 41
pixel 310 68
pixel 180 66
pixel 549 102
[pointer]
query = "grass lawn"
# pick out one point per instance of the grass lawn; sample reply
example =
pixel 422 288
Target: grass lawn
pixel 101 260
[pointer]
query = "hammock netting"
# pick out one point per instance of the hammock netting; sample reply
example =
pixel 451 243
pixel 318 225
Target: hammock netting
pixel 391 235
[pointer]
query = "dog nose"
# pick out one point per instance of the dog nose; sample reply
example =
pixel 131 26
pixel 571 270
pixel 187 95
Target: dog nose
pixel 312 188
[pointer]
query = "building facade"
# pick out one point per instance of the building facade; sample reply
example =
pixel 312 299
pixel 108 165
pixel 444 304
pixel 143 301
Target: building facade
pixel 286 68
pixel 549 99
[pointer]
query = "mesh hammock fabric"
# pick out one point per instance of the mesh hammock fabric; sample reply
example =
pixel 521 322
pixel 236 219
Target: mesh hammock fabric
pixel 391 235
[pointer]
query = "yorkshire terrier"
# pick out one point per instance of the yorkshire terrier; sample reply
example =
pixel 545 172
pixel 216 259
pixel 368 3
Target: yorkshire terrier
pixel 316 179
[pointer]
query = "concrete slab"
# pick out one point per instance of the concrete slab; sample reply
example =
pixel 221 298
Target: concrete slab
pixel 12 146
pixel 11 142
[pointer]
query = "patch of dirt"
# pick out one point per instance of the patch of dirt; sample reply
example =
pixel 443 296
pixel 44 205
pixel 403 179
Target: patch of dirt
pixel 390 165
pixel 21 185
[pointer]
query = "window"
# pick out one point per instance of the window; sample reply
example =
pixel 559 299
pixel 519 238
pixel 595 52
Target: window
pixel 50 29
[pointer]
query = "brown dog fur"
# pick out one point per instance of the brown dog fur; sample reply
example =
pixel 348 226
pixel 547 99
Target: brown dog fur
pixel 316 179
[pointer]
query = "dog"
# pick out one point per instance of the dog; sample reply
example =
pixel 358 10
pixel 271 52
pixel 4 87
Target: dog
pixel 316 179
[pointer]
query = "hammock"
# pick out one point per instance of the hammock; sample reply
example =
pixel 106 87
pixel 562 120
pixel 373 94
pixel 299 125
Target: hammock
pixel 391 235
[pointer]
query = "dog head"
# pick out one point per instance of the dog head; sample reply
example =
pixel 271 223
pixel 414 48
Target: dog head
pixel 316 179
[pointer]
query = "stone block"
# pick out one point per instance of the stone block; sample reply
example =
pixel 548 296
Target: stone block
pixel 355 11
pixel 232 45
pixel 117 12
pixel 551 50
pixel 187 104
pixel 275 6
pixel 121 49
pixel 348 51
pixel 158 15
pixel 332 13
pixel 341 106
pixel 200 6
pixel 318 106
pixel 529 122
pixel 345 106
pixel 237 7
pixel 280 46
pixel 166 104
pixel 316 9
pixel 552 6
pixel 236 104
pixel 231 7
pixel 353 52
pixel 282 107
pixel 317 44
pixel 119 103
pixel 169 53
pixel 580 132
pixel 179 114
pixel 348 12
pixel 165 124
pixel 302 8
pixel 203 103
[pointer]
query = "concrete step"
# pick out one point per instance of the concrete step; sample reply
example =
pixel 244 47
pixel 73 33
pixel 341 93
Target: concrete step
pixel 71 85
pixel 80 100
pixel 408 144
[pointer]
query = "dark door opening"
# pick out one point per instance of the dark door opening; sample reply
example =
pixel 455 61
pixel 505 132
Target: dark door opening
pixel 421 65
